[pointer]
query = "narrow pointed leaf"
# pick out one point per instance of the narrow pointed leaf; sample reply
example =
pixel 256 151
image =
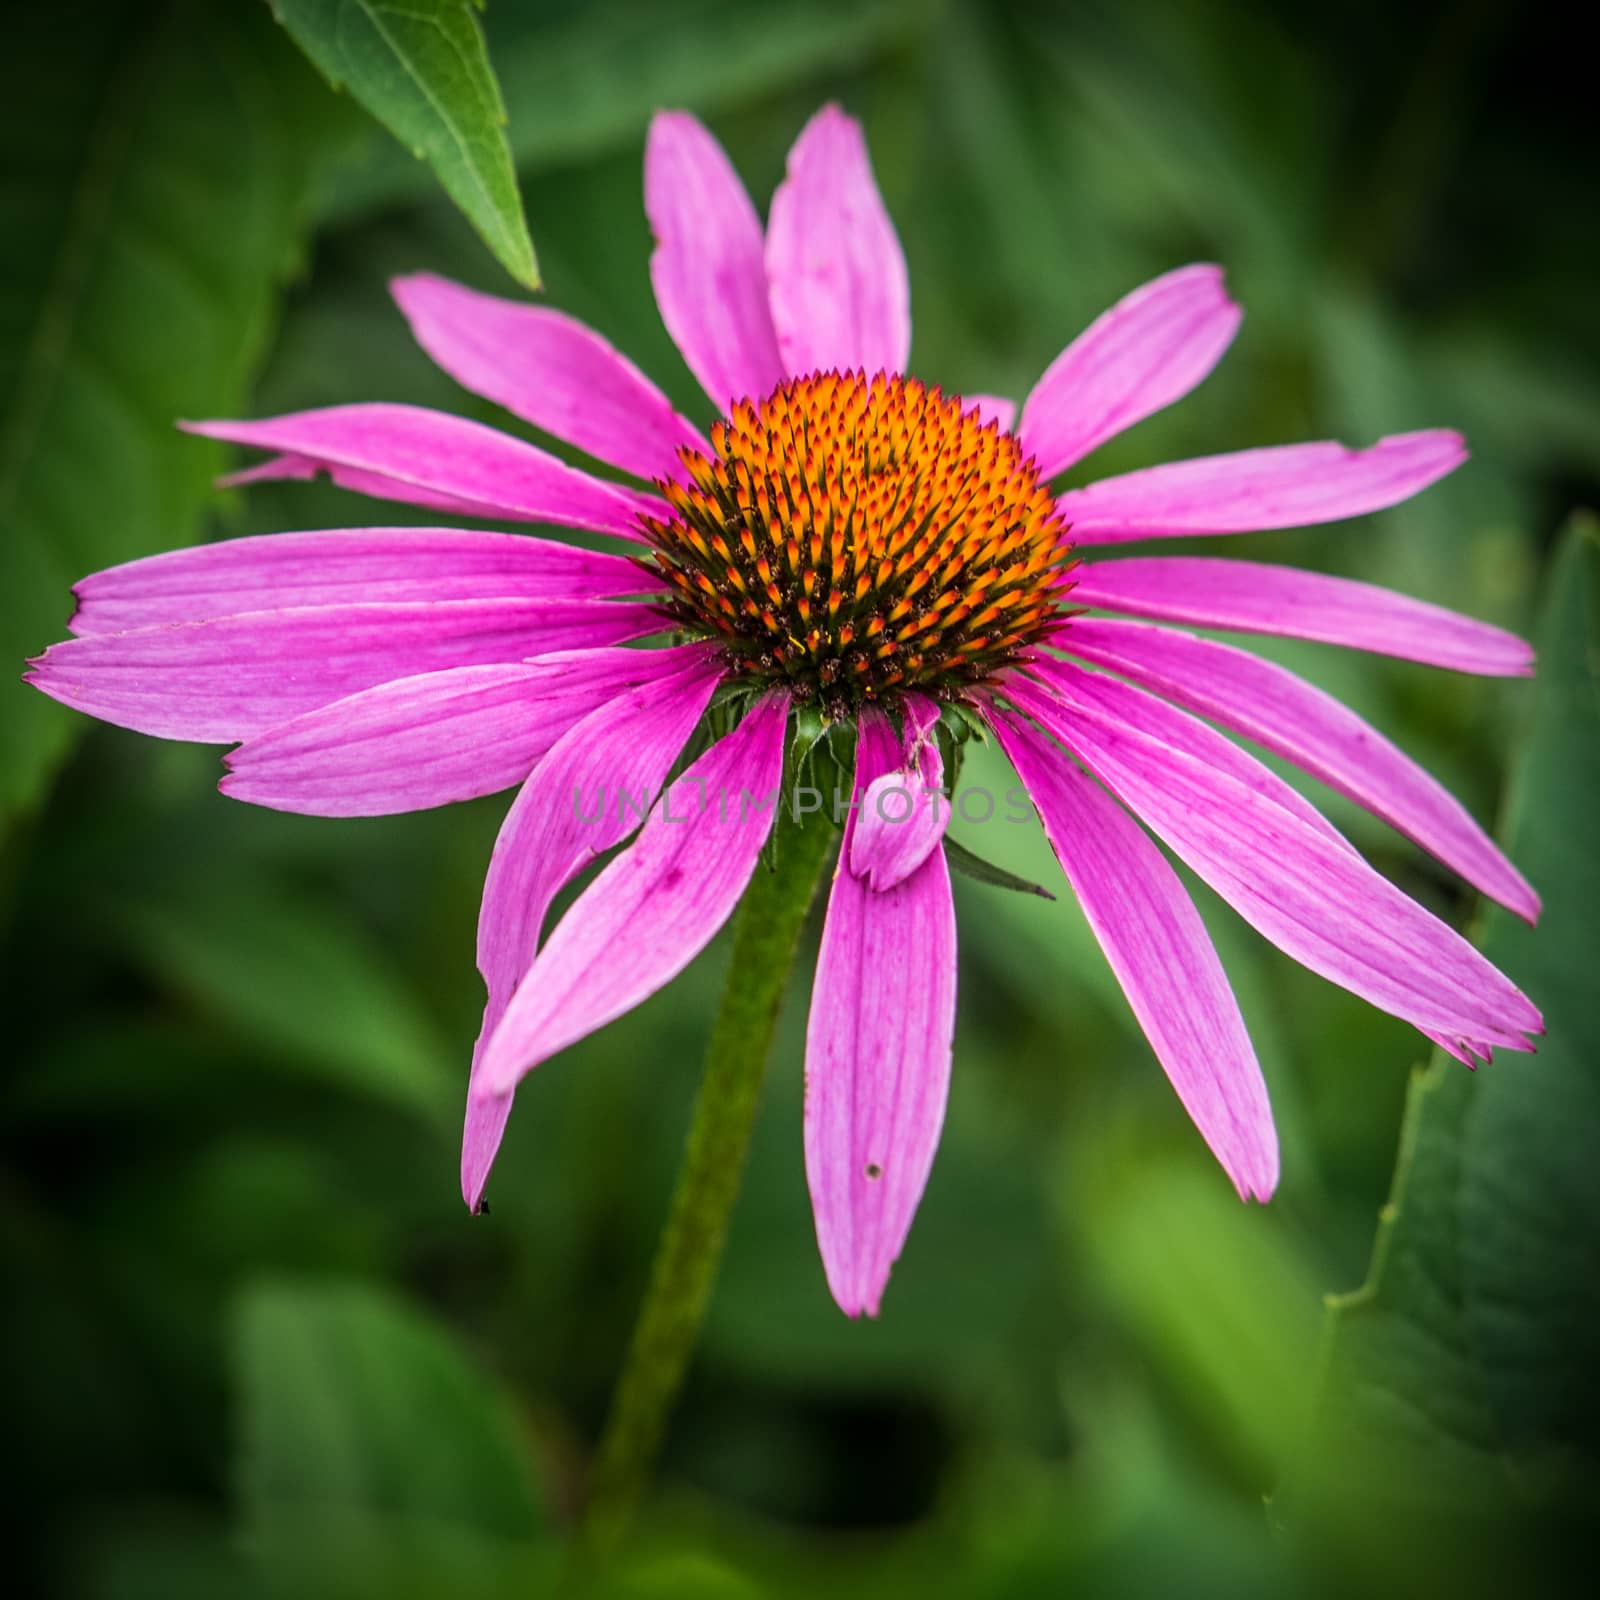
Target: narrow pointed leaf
pixel 971 865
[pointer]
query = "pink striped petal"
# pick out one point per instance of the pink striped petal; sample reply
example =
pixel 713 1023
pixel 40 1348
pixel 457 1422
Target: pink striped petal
pixel 902 815
pixel 1289 716
pixel 218 681
pixel 433 739
pixel 430 458
pixel 1468 1052
pixel 549 370
pixel 654 908
pixel 991 408
pixel 710 282
pixel 1283 486
pixel 1186 733
pixel 1162 956
pixel 1195 738
pixel 1151 348
pixel 1252 597
pixel 586 795
pixel 274 571
pixel 302 469
pixel 841 298
pixel 1311 896
pixel 1183 732
pixel 878 1047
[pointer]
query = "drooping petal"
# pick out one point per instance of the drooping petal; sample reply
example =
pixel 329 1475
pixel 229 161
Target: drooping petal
pixel 878 1048
pixel 1291 717
pixel 1181 731
pixel 1469 1052
pixel 550 370
pixel 588 793
pixel 436 738
pixel 1311 896
pixel 218 681
pixel 841 297
pixel 654 908
pixel 1282 486
pixel 429 458
pixel 707 269
pixel 1253 597
pixel 1151 348
pixel 275 571
pixel 992 408
pixel 1161 953
pixel 903 813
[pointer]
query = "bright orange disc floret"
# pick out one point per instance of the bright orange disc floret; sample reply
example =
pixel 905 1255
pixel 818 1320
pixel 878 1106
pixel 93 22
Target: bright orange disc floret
pixel 854 538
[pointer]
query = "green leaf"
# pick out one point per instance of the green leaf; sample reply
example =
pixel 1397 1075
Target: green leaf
pixel 372 1451
pixel 973 865
pixel 584 82
pixel 421 68
pixel 1464 1367
pixel 160 162
pixel 286 971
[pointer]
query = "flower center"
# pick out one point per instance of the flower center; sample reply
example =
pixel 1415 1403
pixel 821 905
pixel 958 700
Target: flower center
pixel 856 538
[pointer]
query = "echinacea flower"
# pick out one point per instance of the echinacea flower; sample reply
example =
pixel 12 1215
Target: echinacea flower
pixel 850 544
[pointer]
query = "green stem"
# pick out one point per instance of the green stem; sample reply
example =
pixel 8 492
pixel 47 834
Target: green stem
pixel 766 931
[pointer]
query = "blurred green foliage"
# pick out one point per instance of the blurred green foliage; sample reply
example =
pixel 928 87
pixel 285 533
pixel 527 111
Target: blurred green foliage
pixel 252 1342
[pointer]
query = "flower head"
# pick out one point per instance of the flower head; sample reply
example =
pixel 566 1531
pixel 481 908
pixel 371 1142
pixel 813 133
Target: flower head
pixel 853 539
pixel 851 544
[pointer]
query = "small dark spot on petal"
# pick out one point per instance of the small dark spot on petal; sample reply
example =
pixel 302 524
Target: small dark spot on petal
pixel 874 1170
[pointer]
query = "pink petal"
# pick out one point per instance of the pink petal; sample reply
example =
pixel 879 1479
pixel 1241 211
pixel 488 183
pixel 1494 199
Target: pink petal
pixel 1181 731
pixel 1283 486
pixel 902 814
pixel 549 370
pixel 274 571
pixel 430 458
pixel 1151 348
pixel 992 408
pixel 1468 1052
pixel 302 469
pixel 710 282
pixel 1162 956
pixel 878 1046
pixel 1188 734
pixel 1289 716
pixel 1311 896
pixel 218 681
pixel 654 908
pixel 1252 597
pixel 436 738
pixel 569 812
pixel 841 298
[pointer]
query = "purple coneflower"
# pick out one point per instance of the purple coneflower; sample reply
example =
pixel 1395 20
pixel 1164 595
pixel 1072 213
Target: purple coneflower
pixel 856 548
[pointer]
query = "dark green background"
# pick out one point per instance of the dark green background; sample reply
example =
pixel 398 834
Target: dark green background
pixel 253 1343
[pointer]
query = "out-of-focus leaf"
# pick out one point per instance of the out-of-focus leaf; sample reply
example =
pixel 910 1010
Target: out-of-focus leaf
pixel 373 1456
pixel 1464 1370
pixel 1211 1291
pixel 421 68
pixel 168 1553
pixel 137 275
pixel 287 972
